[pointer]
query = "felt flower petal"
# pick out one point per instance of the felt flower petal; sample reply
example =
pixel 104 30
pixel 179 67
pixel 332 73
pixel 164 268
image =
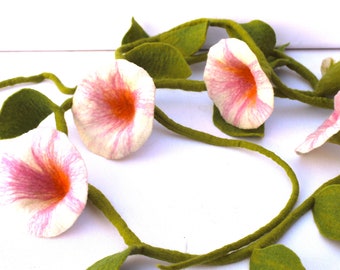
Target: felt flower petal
pixel 113 109
pixel 325 131
pixel 46 178
pixel 237 84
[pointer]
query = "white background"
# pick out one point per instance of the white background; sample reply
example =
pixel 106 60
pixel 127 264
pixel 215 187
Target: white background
pixel 174 193
pixel 100 24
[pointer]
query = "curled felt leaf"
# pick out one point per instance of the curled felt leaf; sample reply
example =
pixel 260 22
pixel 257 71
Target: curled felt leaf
pixel 329 84
pixel 234 131
pixel 326 212
pixel 160 60
pixel 23 111
pixel 263 35
pixel 134 33
pixel 275 257
pixel 112 262
pixel 188 39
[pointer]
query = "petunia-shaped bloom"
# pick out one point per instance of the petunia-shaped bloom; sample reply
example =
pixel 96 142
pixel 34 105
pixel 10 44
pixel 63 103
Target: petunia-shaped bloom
pixel 325 131
pixel 237 84
pixel 44 175
pixel 113 109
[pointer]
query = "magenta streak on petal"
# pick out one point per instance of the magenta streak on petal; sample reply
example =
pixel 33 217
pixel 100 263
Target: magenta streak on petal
pixel 27 182
pixel 324 132
pixel 42 178
pixel 63 165
pixel 255 115
pixel 40 221
pixel 73 203
pixel 237 86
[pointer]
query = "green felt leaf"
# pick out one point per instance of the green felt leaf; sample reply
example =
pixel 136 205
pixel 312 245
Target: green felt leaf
pixel 113 262
pixel 188 39
pixel 275 257
pixel 134 33
pixel 329 84
pixel 232 130
pixel 22 112
pixel 326 212
pixel 263 35
pixel 160 60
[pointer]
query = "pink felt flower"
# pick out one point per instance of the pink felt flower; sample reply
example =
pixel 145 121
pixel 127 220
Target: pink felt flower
pixel 327 129
pixel 44 175
pixel 113 110
pixel 237 84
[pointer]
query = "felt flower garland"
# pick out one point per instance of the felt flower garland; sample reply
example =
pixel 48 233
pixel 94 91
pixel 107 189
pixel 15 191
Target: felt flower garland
pixel 114 110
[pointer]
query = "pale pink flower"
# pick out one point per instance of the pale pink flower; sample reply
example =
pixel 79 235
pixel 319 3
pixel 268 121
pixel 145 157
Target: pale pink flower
pixel 113 110
pixel 237 84
pixel 324 132
pixel 44 175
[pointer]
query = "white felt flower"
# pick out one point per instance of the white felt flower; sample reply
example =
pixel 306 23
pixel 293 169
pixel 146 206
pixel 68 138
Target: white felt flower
pixel 113 110
pixel 237 84
pixel 47 178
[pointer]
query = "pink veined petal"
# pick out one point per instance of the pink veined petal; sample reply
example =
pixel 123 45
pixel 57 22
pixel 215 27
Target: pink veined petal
pixel 327 129
pixel 237 84
pixel 113 110
pixel 49 182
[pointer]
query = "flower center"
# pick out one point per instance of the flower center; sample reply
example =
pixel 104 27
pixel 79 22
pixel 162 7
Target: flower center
pixel 249 84
pixel 60 184
pixel 245 81
pixel 122 105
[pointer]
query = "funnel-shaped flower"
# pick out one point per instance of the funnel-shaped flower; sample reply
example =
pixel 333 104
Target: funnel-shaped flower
pixel 237 84
pixel 113 110
pixel 45 176
pixel 325 131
